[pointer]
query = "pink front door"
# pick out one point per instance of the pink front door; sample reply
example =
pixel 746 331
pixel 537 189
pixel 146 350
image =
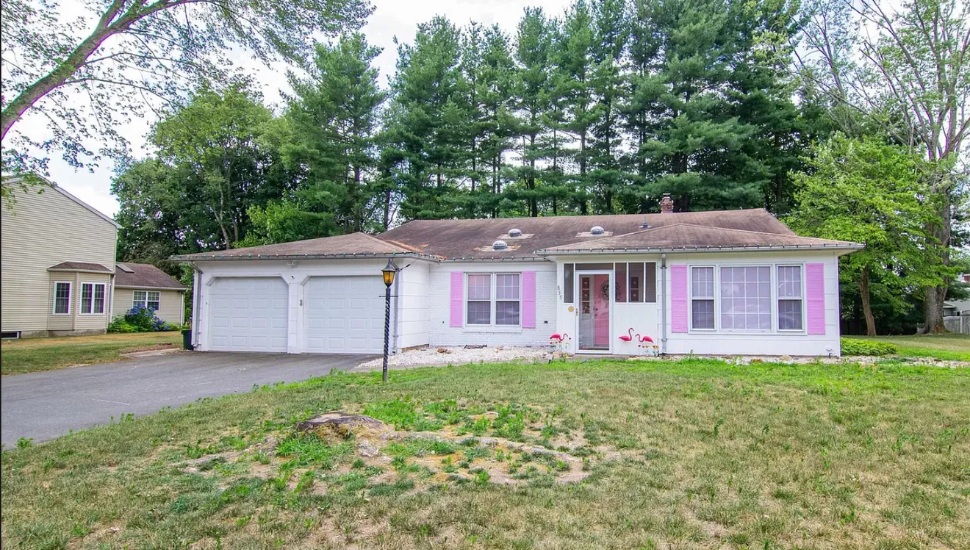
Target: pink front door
pixel 594 312
pixel 601 311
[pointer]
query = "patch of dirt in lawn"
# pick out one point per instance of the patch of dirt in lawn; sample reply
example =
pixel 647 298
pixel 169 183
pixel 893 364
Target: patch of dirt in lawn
pixel 339 451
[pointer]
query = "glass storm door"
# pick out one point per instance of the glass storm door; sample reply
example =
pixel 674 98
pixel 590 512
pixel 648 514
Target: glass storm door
pixel 594 311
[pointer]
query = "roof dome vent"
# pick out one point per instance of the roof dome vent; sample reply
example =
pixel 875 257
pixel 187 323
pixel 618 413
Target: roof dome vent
pixel 596 230
pixel 515 232
pixel 499 245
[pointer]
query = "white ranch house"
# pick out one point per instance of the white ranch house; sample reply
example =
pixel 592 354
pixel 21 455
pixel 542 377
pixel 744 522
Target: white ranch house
pixel 725 283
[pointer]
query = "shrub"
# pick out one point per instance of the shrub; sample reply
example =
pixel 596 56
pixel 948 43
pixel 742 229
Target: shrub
pixel 140 319
pixel 867 347
pixel 119 324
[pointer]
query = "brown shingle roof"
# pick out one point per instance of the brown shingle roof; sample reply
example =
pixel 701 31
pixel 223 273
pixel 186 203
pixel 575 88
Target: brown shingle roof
pixel 144 276
pixel 342 246
pixel 79 266
pixel 472 239
pixel 695 237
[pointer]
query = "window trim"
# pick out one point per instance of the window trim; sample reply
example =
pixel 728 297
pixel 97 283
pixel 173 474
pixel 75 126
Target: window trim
pixel 773 273
pixel 104 300
pixel 135 303
pixel 493 302
pixel 690 299
pixel 778 299
pixel 70 292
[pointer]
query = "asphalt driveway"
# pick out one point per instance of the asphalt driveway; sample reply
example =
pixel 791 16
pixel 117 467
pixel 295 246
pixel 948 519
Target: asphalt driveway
pixel 46 405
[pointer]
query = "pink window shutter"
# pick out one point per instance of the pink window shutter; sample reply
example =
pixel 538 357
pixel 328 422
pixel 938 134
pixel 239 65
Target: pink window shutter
pixel 528 299
pixel 457 298
pixel 678 298
pixel 815 299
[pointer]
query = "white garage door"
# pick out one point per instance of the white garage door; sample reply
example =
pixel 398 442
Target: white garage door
pixel 344 314
pixel 248 314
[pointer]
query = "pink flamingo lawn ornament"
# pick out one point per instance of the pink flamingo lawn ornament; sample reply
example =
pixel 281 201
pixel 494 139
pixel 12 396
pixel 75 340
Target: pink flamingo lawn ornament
pixel 557 338
pixel 627 337
pixel 644 339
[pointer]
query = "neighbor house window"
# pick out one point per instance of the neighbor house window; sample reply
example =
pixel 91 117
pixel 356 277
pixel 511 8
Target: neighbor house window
pixel 702 297
pixel 789 297
pixel 493 296
pixel 746 298
pixel 146 298
pixel 92 298
pixel 62 298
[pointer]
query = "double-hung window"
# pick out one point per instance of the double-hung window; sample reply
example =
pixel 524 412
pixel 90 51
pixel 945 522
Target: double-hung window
pixel 62 298
pixel 493 299
pixel 146 298
pixel 789 297
pixel 92 298
pixel 702 298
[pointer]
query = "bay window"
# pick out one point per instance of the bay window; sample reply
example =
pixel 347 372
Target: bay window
pixel 92 298
pixel 62 298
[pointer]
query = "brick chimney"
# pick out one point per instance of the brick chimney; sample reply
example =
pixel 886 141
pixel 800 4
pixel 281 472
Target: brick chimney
pixel 666 204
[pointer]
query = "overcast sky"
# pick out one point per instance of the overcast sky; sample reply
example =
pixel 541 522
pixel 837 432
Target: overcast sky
pixel 390 18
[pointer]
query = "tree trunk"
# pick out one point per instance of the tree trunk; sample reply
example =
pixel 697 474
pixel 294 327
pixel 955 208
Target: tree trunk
pixel 866 305
pixel 933 310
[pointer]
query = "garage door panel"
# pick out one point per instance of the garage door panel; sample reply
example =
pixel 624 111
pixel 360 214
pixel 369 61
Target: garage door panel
pixel 248 314
pixel 342 313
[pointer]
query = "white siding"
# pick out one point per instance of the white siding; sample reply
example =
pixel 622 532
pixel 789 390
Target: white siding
pixel 42 230
pixel 442 334
pixel 170 305
pixel 722 343
pixel 413 305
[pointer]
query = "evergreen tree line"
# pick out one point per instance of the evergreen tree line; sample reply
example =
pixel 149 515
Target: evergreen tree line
pixel 600 110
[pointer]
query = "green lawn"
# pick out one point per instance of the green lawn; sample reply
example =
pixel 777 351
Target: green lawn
pixel 689 454
pixel 40 354
pixel 953 347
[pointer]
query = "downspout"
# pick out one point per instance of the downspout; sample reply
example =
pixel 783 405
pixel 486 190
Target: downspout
pixel 196 300
pixel 110 299
pixel 663 303
pixel 397 311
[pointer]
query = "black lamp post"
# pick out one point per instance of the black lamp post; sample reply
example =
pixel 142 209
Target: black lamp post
pixel 389 271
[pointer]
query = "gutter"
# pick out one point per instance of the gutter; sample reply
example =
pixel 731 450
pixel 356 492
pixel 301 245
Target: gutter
pixel 552 252
pixel 663 306
pixel 191 258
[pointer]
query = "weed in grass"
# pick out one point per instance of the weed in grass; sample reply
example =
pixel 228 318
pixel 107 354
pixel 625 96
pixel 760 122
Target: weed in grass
pixel 717 426
pixel 305 482
pixel 482 477
pixel 307 449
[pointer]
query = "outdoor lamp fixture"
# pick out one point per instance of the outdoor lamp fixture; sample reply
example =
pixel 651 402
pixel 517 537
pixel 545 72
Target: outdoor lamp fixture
pixel 389 271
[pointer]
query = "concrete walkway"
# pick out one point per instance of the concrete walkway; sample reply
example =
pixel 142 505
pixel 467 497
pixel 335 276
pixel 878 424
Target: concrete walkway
pixel 46 405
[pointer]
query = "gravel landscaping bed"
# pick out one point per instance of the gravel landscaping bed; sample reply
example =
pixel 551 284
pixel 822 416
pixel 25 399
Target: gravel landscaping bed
pixel 503 354
pixel 460 356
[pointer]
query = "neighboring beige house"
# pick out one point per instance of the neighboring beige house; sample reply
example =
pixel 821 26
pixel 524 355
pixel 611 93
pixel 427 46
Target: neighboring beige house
pixel 146 285
pixel 57 262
